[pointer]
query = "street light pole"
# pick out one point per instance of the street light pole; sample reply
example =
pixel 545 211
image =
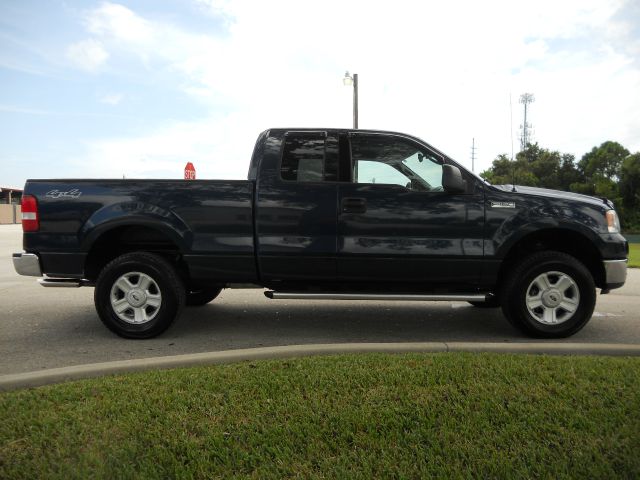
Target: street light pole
pixel 355 101
pixel 353 80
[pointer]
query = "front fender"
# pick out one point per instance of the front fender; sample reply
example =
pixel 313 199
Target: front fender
pixel 503 241
pixel 505 227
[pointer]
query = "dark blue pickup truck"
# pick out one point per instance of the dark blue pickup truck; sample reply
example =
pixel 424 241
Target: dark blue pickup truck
pixel 325 214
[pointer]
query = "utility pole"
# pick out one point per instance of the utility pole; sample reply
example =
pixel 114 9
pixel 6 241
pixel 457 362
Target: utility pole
pixel 525 139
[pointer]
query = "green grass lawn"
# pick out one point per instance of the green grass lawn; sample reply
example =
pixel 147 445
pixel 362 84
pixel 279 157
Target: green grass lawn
pixel 365 416
pixel 634 255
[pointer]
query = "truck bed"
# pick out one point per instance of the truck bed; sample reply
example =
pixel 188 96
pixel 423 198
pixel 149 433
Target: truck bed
pixel 209 221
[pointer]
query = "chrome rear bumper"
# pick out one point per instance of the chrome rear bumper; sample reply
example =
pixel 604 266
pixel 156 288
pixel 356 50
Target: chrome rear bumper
pixel 27 264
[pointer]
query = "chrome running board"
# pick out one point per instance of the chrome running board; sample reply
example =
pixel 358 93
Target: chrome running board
pixel 61 282
pixel 374 296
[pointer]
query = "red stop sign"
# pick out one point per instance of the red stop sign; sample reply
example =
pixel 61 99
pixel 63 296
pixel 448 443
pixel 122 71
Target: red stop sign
pixel 189 171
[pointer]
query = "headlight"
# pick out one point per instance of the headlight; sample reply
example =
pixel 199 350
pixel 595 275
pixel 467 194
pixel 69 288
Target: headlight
pixel 613 222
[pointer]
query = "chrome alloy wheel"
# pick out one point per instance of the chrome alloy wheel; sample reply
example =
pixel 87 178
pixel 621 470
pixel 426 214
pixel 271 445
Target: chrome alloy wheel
pixel 135 298
pixel 552 298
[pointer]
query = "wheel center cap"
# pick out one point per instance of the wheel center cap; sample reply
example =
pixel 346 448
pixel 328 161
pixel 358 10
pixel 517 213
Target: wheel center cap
pixel 136 298
pixel 551 298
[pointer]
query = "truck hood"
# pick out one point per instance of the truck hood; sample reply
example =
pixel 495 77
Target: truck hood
pixel 546 192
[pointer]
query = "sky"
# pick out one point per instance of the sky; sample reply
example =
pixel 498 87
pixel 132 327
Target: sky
pixel 139 88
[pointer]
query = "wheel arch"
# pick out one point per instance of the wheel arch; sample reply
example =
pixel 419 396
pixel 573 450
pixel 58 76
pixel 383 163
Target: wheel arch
pixel 563 240
pixel 119 238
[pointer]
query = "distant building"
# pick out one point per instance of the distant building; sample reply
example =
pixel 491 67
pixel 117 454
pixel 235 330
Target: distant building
pixel 10 195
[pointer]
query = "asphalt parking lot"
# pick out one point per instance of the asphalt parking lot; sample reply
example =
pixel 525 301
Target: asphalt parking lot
pixel 43 328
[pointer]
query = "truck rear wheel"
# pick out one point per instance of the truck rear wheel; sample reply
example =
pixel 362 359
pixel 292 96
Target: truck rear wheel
pixel 198 298
pixel 549 295
pixel 139 295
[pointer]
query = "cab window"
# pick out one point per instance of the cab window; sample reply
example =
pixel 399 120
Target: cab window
pixel 309 157
pixel 394 161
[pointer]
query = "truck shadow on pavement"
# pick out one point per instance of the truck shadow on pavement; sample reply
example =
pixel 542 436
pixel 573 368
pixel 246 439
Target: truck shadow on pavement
pixel 297 323
pixel 279 323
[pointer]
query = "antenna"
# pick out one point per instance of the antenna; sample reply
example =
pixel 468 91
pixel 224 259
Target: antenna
pixel 527 128
pixel 511 123
pixel 473 155
pixel 513 165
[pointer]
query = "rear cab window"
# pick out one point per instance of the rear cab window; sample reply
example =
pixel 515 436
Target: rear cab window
pixel 309 157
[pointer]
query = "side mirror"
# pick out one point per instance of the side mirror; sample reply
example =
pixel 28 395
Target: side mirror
pixel 452 181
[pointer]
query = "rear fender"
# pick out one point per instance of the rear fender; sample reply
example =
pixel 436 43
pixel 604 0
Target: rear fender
pixel 135 214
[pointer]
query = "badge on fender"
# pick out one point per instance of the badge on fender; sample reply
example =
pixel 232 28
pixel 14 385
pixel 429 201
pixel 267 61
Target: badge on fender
pixel 503 204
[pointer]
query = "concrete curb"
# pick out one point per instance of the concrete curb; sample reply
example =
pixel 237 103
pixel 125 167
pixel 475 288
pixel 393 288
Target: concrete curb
pixel 58 375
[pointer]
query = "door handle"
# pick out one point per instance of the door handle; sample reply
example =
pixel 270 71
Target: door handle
pixel 354 205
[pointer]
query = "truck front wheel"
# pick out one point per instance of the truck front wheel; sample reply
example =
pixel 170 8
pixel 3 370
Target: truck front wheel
pixel 549 295
pixel 139 295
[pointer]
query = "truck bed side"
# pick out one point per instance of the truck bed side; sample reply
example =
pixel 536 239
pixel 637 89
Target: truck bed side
pixel 208 223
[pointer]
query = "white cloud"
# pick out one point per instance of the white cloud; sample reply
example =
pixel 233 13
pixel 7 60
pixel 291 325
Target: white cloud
pixel 442 71
pixel 112 98
pixel 220 9
pixel 27 111
pixel 214 145
pixel 119 22
pixel 87 55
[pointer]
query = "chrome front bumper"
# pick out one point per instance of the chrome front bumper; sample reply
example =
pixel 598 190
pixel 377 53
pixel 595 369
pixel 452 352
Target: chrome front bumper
pixel 27 264
pixel 615 272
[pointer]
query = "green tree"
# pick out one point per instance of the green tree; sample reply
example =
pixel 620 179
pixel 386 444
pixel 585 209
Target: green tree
pixel 535 166
pixel 630 181
pixel 568 173
pixel 600 170
pixel 630 192
pixel 605 161
pixel 545 166
pixel 501 171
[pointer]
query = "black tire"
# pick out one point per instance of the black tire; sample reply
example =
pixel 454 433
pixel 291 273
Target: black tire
pixel 552 280
pixel 198 298
pixel 492 303
pixel 154 287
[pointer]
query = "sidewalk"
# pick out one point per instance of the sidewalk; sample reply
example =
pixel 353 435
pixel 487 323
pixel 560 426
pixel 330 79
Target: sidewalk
pixel 58 375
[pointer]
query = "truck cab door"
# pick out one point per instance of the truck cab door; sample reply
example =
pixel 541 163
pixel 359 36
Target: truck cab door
pixel 398 228
pixel 296 204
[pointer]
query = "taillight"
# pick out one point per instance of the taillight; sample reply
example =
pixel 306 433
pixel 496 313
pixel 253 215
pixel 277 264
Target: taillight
pixel 30 218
